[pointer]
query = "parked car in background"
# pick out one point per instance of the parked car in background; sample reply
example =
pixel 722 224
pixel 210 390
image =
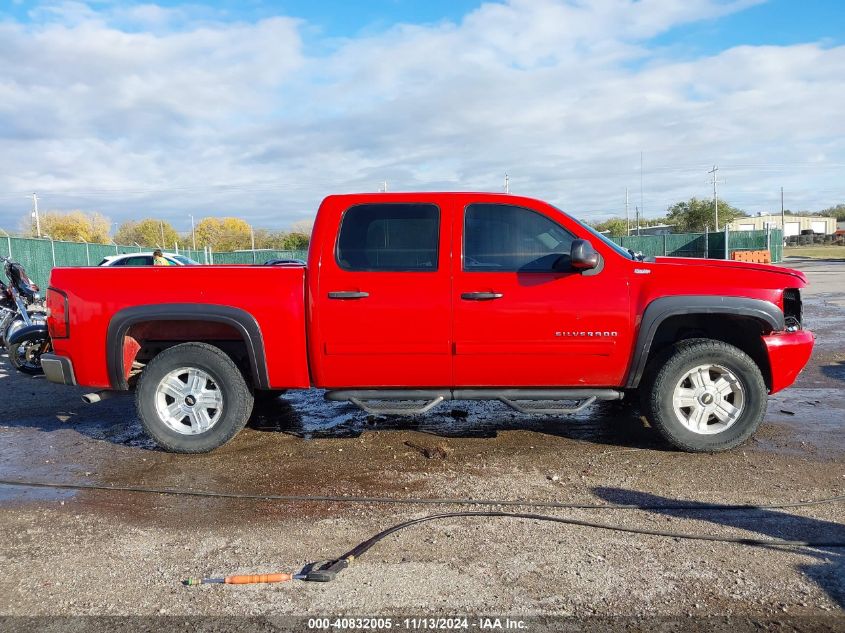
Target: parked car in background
pixel 146 259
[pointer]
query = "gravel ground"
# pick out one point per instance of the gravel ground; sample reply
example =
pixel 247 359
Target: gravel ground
pixel 118 553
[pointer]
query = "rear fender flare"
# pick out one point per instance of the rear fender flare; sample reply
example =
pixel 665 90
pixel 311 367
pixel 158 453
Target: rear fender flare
pixel 239 319
pixel 661 309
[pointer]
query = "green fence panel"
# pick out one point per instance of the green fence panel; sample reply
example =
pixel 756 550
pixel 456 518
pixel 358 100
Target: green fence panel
pixel 236 257
pixel 776 245
pixel 39 256
pixel 246 257
pixel 71 254
pixel 100 251
pixel 686 245
pixel 196 255
pixel 35 255
pixel 648 245
pixel 716 245
pixel 711 245
pixel 747 240
pixel 6 246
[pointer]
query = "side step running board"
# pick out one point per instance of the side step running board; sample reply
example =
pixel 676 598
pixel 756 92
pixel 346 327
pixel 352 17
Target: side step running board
pixel 395 407
pixel 539 410
pixel 419 401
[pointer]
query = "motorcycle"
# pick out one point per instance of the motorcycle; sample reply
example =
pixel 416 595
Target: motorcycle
pixel 23 321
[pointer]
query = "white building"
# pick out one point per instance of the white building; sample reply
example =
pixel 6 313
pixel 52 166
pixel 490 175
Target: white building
pixel 794 223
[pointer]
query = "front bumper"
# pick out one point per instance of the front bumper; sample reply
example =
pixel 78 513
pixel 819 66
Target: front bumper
pixel 788 355
pixel 58 369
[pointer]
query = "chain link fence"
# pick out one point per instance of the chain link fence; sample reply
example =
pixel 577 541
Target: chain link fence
pixel 39 256
pixel 719 245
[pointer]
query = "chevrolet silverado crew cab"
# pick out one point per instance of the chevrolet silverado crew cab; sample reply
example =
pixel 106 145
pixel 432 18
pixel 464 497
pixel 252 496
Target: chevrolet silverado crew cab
pixel 411 299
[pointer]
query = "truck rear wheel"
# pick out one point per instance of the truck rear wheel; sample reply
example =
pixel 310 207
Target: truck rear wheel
pixel 192 398
pixel 708 396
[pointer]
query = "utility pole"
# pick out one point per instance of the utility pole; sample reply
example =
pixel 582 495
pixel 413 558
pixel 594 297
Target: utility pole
pixel 193 233
pixel 161 226
pixel 252 241
pixel 715 194
pixel 507 184
pixel 35 213
pixel 638 219
pixel 627 217
pixel 782 217
pixel 383 187
pixel 642 206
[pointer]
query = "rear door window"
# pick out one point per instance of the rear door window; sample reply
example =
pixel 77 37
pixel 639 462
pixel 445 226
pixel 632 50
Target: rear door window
pixel 398 237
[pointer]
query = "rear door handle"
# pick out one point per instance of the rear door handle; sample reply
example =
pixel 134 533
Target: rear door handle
pixel 481 296
pixel 348 294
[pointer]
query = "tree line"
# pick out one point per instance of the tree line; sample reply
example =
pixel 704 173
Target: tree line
pixel 231 234
pixel 697 215
pixel 219 234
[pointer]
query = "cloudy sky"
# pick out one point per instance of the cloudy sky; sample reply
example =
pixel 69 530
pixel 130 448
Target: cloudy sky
pixel 262 108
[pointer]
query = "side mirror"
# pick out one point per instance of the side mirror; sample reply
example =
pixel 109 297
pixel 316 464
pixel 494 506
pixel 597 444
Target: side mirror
pixel 583 256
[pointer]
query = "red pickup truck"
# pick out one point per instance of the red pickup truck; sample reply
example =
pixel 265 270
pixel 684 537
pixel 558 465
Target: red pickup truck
pixel 411 299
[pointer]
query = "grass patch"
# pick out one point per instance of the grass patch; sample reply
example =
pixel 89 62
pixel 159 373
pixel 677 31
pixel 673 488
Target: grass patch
pixel 821 252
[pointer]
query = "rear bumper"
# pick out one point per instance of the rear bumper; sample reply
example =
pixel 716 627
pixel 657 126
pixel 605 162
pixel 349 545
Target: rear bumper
pixel 788 355
pixel 58 369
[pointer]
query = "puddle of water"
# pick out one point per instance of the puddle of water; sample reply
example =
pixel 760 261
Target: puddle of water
pixel 306 414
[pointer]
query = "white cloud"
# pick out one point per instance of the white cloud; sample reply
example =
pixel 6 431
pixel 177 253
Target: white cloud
pixel 146 109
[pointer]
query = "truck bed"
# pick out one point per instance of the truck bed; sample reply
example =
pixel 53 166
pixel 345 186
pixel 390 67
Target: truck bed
pixel 271 297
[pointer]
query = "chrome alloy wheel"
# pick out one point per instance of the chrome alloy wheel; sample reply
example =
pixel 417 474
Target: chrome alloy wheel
pixel 188 401
pixel 708 399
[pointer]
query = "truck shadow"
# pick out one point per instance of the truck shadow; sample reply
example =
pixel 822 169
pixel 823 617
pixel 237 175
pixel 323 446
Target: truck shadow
pixel 308 416
pixel 827 573
pixel 835 371
pixel 37 404
pixel 115 421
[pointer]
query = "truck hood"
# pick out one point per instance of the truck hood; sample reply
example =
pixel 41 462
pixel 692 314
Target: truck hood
pixel 723 265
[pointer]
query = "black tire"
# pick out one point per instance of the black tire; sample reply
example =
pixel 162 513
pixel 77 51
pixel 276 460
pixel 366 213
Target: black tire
pixel 666 374
pixel 30 366
pixel 237 400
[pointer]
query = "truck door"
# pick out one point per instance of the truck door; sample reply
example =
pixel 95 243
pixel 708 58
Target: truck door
pixel 520 321
pixel 383 304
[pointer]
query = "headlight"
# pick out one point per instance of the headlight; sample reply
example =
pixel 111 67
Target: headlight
pixel 793 309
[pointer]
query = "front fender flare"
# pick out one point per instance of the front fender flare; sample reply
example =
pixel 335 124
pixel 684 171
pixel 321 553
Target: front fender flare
pixel 661 309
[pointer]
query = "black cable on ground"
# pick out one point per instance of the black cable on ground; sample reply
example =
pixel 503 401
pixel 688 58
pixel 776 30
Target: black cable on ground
pixel 328 570
pixel 358 550
pixel 423 500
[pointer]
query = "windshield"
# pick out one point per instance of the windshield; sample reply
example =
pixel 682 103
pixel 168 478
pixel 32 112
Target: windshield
pixel 186 261
pixel 627 254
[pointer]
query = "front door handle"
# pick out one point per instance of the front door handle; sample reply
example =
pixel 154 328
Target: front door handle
pixel 348 294
pixel 481 296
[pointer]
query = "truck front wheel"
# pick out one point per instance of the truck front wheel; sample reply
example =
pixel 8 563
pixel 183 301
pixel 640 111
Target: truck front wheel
pixel 708 396
pixel 192 398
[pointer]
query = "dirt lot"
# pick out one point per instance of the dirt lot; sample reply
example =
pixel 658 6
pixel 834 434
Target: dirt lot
pixel 117 553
